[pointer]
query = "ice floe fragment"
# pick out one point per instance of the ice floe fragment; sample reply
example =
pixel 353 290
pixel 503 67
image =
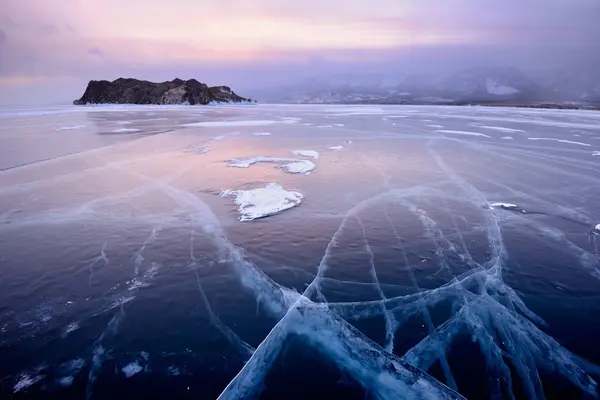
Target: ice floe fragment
pixel 263 202
pixel 306 153
pixel 335 148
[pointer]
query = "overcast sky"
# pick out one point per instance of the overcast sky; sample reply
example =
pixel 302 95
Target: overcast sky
pixel 49 49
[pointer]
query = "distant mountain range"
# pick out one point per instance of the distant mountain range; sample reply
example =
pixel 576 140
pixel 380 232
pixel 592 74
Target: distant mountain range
pixel 177 91
pixel 481 85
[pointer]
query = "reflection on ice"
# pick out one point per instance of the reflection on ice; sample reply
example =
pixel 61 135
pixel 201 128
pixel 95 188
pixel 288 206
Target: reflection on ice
pixel 263 202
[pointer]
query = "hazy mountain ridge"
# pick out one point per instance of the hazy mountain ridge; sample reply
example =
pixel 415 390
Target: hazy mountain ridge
pixel 504 84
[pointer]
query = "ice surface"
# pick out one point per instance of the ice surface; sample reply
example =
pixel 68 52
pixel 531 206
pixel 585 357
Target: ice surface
pixel 123 130
pixel 481 305
pixel 561 141
pixel 306 153
pixel 335 148
pixel 451 132
pixel 262 133
pixel 263 202
pixel 131 369
pixel 435 126
pixel 500 129
pixel 507 138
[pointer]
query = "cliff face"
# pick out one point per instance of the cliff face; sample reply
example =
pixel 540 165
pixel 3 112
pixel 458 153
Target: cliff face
pixel 177 91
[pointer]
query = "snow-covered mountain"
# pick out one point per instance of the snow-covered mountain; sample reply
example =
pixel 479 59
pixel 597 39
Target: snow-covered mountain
pixel 580 84
pixel 474 85
pixel 490 84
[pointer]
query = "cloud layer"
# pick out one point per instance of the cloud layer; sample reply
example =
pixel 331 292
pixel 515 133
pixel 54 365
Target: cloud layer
pixel 43 42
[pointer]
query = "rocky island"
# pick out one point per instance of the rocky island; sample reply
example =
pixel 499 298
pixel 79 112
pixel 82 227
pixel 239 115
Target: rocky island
pixel 177 91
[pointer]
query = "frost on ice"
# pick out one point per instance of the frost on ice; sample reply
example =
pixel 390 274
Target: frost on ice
pixel 306 153
pixel 263 202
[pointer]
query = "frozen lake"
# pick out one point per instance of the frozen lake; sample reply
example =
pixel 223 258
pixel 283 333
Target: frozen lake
pixel 292 252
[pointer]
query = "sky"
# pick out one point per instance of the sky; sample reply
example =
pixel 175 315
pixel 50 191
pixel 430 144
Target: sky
pixel 50 49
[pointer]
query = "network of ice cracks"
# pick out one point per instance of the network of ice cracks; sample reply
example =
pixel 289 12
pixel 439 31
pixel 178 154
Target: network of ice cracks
pixel 508 334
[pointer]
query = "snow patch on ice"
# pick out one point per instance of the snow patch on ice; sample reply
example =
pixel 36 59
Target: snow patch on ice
pixel 131 369
pixel 335 148
pixel 25 381
pixel 66 381
pixel 507 206
pixel 596 153
pixel 262 133
pixel 507 138
pixel 462 133
pixel 201 149
pixel 291 165
pixel 306 153
pixel 561 141
pixel 500 129
pixel 263 202
pixel 299 167
pixel 498 89
pixel 123 130
pixel 73 326
pixel 240 123
pixel 435 126
pixel 70 128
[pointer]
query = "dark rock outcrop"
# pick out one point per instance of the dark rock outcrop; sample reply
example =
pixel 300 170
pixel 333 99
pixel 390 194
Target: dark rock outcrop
pixel 177 91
